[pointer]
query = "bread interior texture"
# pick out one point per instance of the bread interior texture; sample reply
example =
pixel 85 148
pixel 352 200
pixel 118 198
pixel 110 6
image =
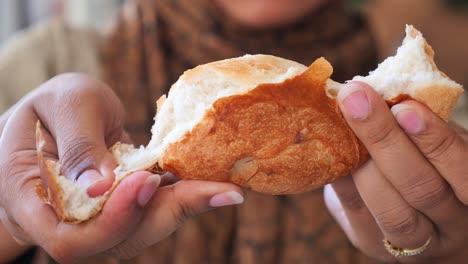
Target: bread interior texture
pixel 412 68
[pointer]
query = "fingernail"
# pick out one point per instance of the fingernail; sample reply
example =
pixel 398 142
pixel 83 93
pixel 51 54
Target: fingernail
pixel 408 119
pixel 148 189
pixel 354 99
pixel 225 199
pixel 89 178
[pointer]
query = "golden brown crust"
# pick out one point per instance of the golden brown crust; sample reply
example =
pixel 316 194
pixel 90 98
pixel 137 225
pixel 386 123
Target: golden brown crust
pixel 440 99
pixel 41 192
pixel 279 138
pixel 49 190
pixel 245 69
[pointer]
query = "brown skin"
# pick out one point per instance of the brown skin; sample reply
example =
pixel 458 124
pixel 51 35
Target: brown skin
pixel 81 133
pixel 413 187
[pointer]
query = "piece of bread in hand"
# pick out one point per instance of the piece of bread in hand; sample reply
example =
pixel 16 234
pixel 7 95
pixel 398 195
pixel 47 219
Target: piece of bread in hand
pixel 262 122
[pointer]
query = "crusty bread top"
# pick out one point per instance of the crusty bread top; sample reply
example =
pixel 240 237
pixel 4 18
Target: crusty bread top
pixel 239 74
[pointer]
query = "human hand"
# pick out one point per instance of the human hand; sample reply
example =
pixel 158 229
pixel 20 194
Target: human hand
pixel 82 119
pixel 413 188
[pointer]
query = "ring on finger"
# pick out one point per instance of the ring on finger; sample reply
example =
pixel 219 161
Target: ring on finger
pixel 405 252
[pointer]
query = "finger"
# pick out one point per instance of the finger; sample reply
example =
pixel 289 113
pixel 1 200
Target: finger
pixel 349 210
pixel 119 218
pixel 96 182
pixel 174 204
pixel 402 225
pixel 84 117
pixel 439 143
pixel 399 160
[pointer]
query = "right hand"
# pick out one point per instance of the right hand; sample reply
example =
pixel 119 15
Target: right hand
pixel 83 118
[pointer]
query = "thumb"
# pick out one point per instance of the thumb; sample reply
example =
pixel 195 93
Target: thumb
pixel 84 117
pixel 120 216
pixel 172 205
pixel 190 198
pixel 98 179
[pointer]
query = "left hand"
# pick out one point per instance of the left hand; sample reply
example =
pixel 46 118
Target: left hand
pixel 415 186
pixel 141 211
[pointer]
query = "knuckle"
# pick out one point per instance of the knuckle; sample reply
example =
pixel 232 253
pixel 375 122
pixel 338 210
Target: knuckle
pixel 129 249
pixel 72 81
pixel 398 222
pixel 60 83
pixel 7 167
pixel 352 201
pixel 181 214
pixel 382 135
pixel 428 193
pixel 12 170
pixel 438 150
pixel 182 210
pixel 71 88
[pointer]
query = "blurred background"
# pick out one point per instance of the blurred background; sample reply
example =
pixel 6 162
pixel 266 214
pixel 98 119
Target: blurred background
pixel 443 22
pixel 19 14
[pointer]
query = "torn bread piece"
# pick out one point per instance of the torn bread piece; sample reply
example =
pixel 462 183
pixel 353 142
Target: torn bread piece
pixel 264 123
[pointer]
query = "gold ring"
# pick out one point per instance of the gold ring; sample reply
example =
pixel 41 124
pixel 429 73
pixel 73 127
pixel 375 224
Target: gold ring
pixel 405 252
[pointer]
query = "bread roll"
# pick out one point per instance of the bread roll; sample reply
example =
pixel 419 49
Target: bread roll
pixel 262 122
